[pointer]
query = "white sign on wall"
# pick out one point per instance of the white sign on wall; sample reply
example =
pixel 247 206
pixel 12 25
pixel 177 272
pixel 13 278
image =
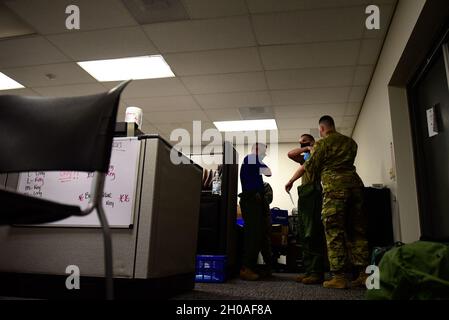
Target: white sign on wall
pixel 432 125
pixel 74 188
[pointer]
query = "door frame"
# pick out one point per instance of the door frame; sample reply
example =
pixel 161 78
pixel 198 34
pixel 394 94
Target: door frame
pixel 425 38
pixel 424 204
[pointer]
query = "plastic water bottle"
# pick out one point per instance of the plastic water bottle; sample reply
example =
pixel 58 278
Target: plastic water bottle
pixel 216 184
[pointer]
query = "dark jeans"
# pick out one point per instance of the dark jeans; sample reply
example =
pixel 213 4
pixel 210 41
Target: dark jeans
pixel 257 229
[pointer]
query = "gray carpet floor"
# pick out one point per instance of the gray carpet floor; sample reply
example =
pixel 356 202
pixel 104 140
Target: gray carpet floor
pixel 279 287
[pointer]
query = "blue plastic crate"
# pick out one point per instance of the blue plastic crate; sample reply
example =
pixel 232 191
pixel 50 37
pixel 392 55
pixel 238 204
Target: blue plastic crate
pixel 211 269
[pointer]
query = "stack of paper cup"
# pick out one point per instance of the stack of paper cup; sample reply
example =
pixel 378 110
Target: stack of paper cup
pixel 134 115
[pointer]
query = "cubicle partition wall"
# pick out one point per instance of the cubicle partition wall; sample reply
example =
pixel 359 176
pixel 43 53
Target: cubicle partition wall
pixel 153 255
pixel 218 213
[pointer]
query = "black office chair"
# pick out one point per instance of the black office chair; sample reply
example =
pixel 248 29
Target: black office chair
pixel 58 134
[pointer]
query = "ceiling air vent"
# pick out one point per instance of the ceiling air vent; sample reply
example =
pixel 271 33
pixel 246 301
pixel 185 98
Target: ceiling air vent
pixel 256 113
pixel 152 11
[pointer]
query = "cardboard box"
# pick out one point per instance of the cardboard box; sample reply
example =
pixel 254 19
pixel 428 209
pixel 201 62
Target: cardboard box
pixel 279 235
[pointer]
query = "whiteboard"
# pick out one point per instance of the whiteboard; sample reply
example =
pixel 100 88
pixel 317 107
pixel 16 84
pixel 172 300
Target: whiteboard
pixel 74 188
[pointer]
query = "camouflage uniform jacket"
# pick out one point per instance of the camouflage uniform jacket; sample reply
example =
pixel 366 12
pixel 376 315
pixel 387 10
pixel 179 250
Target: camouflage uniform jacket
pixel 332 159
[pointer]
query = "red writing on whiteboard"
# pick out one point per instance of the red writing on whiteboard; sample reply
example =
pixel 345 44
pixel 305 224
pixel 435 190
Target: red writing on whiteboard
pixel 66 176
pixel 111 172
pixel 84 196
pixel 124 198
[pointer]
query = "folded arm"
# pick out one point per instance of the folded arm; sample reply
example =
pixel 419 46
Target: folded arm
pixel 296 154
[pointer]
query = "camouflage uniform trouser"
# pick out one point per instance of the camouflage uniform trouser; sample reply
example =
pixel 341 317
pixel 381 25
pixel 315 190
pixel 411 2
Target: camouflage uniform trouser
pixel 345 225
pixel 311 228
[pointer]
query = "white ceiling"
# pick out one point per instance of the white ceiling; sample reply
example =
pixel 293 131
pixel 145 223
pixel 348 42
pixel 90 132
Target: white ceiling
pixel 302 58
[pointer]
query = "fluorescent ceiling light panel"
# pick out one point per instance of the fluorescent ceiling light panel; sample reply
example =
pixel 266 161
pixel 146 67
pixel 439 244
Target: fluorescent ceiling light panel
pixel 137 68
pixel 246 125
pixel 6 83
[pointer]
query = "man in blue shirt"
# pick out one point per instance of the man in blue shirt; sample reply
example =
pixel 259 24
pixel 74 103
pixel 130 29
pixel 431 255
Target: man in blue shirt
pixel 255 212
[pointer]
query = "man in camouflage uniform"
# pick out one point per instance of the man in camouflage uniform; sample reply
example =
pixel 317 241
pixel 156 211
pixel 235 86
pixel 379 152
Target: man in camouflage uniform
pixel 309 213
pixel 342 215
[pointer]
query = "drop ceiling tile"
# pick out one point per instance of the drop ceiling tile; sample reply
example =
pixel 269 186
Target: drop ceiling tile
pixel 167 128
pixel 349 122
pixel 310 96
pixel 151 88
pixel 147 127
pixel 71 90
pixel 264 6
pixel 310 26
pixel 173 103
pixel 194 35
pixel 205 125
pixel 19 92
pixel 346 131
pixel 155 11
pixel 370 51
pixel 312 55
pixel 160 117
pixel 216 61
pixel 294 123
pixel 11 25
pixel 223 114
pixel 195 128
pixel 225 83
pixel 313 4
pixel 28 51
pixel 122 111
pixel 338 121
pixel 357 94
pixel 386 14
pixel 48 16
pixel 314 110
pixel 234 100
pixel 353 108
pixel 104 44
pixel 202 9
pixel 363 75
pixel 310 78
pixel 250 137
pixel 292 135
pixel 64 74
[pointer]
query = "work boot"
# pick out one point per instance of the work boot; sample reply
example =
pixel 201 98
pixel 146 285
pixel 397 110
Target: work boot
pixel 338 281
pixel 314 278
pixel 248 275
pixel 301 277
pixel 360 281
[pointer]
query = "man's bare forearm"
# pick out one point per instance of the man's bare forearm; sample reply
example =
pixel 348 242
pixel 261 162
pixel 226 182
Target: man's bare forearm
pixel 296 154
pixel 298 174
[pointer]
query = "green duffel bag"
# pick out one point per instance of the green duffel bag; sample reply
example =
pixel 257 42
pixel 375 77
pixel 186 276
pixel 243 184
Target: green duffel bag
pixel 416 271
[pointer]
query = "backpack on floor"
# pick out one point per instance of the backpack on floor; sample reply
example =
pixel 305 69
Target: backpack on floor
pixel 416 271
pixel 379 252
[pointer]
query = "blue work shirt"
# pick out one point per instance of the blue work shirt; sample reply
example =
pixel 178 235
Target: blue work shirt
pixel 250 174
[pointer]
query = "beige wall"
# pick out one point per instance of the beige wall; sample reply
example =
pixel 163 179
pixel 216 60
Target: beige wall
pixel 374 128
